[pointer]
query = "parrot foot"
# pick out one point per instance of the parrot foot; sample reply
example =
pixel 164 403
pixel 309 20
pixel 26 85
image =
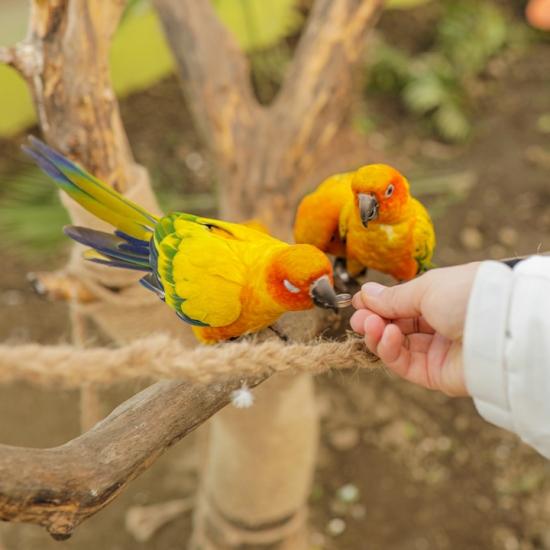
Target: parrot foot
pixel 279 331
pixel 342 277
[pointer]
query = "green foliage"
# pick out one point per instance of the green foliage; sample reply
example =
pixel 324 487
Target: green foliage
pixel 438 83
pixel 445 188
pixel 30 213
pixel 470 34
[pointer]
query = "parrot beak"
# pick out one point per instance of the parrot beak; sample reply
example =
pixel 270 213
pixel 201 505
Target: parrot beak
pixel 368 208
pixel 323 294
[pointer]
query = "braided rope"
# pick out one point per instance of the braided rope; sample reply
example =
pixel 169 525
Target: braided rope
pixel 163 357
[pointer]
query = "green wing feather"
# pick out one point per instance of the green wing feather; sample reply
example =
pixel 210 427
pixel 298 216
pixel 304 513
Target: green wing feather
pixel 423 238
pixel 201 273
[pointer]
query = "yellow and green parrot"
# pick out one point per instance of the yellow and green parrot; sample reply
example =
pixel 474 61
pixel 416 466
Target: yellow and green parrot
pixel 369 218
pixel 224 279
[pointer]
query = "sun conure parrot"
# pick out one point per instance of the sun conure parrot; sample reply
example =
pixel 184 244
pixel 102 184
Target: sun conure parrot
pixel 224 279
pixel 318 215
pixel 380 225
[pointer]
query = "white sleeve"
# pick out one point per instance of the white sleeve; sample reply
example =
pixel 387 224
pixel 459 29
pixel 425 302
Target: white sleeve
pixel 507 348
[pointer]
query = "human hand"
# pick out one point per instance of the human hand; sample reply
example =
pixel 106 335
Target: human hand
pixel 538 13
pixel 416 327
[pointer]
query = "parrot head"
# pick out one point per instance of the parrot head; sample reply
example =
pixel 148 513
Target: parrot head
pixel 300 277
pixel 381 193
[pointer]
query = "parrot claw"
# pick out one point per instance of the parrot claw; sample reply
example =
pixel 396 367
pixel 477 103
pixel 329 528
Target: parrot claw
pixel 279 331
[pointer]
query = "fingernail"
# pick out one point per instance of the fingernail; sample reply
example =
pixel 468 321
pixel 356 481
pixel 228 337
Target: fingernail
pixel 372 290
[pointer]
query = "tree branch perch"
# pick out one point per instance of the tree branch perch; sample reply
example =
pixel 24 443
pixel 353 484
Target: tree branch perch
pixel 59 488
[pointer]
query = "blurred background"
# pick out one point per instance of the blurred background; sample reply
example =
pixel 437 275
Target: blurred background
pixel 453 93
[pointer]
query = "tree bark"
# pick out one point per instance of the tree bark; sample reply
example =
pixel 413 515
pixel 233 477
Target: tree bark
pixel 59 488
pixel 265 156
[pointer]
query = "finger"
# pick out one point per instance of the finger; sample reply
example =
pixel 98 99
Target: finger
pixel 396 302
pixel 392 348
pixel 406 361
pixel 414 325
pixel 357 301
pixel 373 328
pixel 417 362
pixel 357 320
pixel 418 343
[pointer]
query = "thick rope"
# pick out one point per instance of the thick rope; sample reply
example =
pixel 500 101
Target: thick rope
pixel 162 357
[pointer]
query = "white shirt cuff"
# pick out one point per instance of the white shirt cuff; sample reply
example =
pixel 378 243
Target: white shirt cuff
pixel 484 343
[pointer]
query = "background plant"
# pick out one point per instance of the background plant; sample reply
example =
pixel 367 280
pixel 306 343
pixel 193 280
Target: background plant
pixel 442 82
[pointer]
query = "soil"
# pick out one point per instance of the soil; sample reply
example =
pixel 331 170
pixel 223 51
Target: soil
pixel 426 472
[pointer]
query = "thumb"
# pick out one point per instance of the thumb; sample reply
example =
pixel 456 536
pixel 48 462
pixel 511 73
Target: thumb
pixel 395 302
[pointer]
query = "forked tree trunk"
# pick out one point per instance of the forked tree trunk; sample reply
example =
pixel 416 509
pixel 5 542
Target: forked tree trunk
pixel 258 463
pixel 265 154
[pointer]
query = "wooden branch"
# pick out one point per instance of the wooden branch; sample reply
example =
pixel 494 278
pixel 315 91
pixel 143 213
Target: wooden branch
pixel 59 488
pixel 266 154
pixel 60 285
pixel 213 71
pixel 7 56
pixel 65 60
pixel 318 89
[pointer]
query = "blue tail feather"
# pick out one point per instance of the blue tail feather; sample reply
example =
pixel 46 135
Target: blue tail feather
pixel 108 245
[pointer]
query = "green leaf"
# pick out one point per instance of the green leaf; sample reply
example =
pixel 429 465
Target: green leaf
pixel 424 93
pixel 452 123
pixel 258 23
pixel 390 69
pixel 471 33
pixel 139 54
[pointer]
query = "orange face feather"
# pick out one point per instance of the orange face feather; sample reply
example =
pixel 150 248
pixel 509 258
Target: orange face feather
pixel 388 186
pixel 385 228
pixel 292 272
pixel 380 226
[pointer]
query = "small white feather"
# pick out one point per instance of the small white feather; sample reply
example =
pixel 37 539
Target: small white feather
pixel 243 397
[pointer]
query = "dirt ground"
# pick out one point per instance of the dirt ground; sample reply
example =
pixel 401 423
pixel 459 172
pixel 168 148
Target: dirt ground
pixel 421 471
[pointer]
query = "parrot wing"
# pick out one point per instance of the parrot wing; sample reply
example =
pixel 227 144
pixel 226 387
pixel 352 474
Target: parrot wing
pixel 201 272
pixel 237 231
pixel 318 214
pixel 343 222
pixel 423 237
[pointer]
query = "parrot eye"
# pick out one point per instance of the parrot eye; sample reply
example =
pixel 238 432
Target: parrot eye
pixel 389 191
pixel 290 287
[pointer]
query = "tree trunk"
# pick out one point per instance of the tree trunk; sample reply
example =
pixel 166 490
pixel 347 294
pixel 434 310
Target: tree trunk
pixel 260 462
